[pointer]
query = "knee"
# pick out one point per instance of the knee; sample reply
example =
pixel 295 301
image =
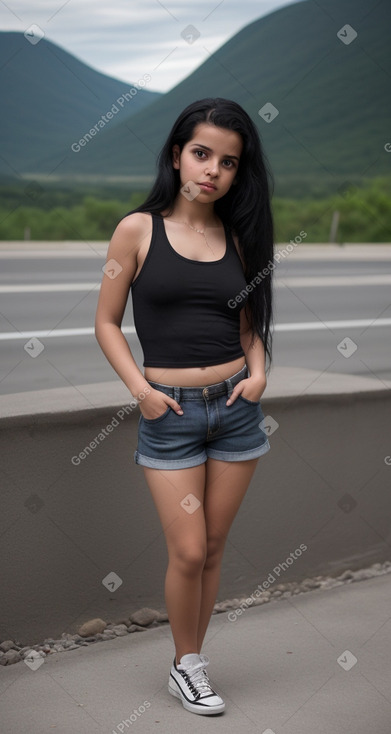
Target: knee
pixel 190 558
pixel 215 549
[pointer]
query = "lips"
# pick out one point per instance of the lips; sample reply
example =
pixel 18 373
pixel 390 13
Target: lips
pixel 208 185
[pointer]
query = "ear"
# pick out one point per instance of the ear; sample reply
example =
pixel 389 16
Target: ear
pixel 176 156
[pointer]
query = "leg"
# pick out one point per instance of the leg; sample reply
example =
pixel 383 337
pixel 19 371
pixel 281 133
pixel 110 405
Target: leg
pixel 185 535
pixel 226 485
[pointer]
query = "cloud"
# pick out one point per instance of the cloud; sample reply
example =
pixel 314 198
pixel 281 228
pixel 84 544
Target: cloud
pixel 127 40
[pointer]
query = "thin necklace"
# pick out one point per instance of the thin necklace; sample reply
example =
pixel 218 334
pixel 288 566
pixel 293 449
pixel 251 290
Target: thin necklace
pixel 200 231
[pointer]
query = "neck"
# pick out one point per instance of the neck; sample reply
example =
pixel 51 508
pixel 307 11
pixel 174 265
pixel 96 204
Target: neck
pixel 194 213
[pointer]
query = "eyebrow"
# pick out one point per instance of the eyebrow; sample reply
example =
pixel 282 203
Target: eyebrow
pixel 199 145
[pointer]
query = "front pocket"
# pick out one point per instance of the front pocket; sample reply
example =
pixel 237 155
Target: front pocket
pixel 159 417
pixel 249 402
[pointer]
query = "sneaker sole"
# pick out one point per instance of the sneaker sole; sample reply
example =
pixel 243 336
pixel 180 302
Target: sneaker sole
pixel 193 707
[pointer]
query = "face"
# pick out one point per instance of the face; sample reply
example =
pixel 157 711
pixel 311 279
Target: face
pixel 210 160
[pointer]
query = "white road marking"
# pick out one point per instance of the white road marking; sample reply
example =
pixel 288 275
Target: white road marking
pixel 294 326
pixel 317 281
pixel 48 287
pixel 321 281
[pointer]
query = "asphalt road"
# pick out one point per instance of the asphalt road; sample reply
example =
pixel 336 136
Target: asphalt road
pixel 331 314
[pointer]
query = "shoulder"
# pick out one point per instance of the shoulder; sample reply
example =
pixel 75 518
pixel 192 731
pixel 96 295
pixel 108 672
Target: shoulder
pixel 130 234
pixel 136 223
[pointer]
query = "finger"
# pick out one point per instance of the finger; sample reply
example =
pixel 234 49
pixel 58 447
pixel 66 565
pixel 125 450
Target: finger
pixel 177 408
pixel 232 398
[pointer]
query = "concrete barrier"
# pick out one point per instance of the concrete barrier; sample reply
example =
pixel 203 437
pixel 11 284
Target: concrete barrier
pixel 318 503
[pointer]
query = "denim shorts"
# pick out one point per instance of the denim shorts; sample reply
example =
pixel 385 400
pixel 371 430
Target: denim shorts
pixel 207 428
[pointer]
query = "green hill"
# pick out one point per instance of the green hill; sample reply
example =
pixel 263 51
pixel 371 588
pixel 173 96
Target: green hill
pixel 332 99
pixel 52 99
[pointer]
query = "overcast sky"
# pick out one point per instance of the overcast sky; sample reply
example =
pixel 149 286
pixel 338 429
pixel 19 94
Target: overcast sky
pixel 127 39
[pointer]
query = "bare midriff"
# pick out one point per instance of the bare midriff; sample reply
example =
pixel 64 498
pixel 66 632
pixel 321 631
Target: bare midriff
pixel 194 376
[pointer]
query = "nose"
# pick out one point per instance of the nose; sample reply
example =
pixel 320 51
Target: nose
pixel 212 168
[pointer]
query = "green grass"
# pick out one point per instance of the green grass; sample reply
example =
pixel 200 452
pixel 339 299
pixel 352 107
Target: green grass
pixel 70 214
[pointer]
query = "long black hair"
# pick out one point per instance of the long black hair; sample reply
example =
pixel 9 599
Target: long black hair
pixel 245 208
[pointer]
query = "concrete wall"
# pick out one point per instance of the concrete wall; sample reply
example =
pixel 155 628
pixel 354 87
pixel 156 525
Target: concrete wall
pixel 65 526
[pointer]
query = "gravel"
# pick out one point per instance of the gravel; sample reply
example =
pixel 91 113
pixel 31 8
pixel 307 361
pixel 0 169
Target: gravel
pixel 97 630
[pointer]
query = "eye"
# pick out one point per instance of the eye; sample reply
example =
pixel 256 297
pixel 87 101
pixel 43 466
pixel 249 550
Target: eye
pixel 199 151
pixel 231 163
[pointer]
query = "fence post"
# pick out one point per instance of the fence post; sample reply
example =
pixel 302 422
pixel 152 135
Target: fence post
pixel 334 227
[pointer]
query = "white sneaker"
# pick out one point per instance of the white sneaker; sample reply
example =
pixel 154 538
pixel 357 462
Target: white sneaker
pixel 190 683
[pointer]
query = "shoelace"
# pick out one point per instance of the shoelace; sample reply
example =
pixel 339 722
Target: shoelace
pixel 198 677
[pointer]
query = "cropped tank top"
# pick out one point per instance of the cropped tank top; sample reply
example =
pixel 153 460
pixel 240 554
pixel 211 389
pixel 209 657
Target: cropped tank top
pixel 185 312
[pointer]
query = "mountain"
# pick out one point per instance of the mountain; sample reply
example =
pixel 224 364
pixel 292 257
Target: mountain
pixel 331 92
pixel 53 99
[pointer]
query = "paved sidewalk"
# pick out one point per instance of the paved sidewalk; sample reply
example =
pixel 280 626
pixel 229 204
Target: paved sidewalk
pixel 276 667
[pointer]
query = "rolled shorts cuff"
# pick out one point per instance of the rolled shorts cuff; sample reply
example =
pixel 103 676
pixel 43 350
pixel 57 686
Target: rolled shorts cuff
pixel 239 455
pixel 170 463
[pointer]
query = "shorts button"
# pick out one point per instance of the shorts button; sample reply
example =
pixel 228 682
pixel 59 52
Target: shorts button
pixel 205 392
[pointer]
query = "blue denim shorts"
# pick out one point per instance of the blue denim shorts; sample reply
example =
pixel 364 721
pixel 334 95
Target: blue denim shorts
pixel 207 428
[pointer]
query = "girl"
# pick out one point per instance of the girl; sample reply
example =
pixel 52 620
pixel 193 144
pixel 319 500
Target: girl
pixel 204 232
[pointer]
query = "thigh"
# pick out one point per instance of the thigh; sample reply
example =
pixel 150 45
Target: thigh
pixel 226 484
pixel 178 496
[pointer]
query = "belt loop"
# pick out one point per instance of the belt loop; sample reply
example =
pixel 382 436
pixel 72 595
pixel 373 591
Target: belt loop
pixel 228 386
pixel 228 381
pixel 177 394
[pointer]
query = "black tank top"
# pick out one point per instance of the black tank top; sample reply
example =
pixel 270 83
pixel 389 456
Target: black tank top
pixel 185 313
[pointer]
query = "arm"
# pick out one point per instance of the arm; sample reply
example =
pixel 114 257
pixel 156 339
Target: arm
pixel 254 386
pixel 129 235
pixel 255 353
